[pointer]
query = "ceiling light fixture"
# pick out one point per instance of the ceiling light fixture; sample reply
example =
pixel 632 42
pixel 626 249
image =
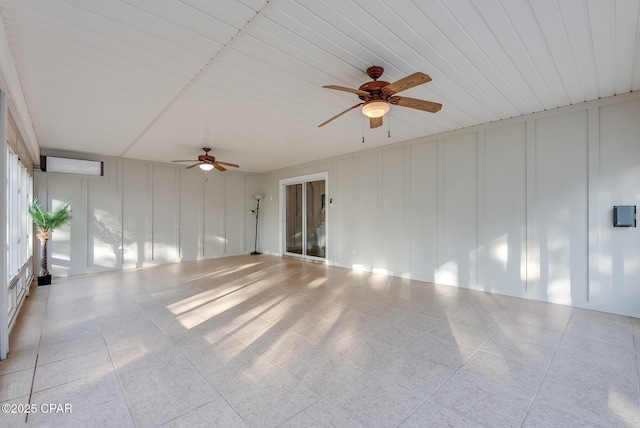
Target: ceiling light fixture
pixel 206 166
pixel 375 108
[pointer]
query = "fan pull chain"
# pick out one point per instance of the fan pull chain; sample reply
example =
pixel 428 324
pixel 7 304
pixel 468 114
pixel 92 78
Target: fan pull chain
pixel 389 125
pixel 363 121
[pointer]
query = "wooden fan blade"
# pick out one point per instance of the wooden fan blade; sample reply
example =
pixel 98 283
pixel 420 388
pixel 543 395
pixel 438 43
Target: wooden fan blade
pixel 415 103
pixel 219 167
pixel 227 164
pixel 353 91
pixel 195 164
pixel 339 114
pixel 375 122
pixel 410 81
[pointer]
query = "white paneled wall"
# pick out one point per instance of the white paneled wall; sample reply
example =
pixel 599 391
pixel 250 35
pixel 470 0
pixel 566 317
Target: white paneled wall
pixel 393 230
pixel 67 247
pixel 502 207
pixel 104 217
pixel 368 215
pixel 521 207
pixel 561 208
pixel 137 213
pixel 165 212
pixel 233 238
pixel 143 213
pixel 215 207
pixel 191 215
pixel 614 276
pixel 342 206
pixel 458 252
pixel 423 210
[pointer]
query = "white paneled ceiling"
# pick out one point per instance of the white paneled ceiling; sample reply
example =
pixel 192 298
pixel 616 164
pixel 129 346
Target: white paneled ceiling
pixel 159 79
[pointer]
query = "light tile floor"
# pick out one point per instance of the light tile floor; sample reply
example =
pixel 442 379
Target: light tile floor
pixel 262 341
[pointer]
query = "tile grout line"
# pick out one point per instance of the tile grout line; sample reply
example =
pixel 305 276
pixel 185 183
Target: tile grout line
pixel 546 371
pixel 33 379
pixel 452 374
pixel 542 370
pixel 115 369
pixel 124 394
pixel 35 366
pixel 180 350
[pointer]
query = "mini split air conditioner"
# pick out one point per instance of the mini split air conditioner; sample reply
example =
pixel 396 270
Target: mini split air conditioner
pixel 70 166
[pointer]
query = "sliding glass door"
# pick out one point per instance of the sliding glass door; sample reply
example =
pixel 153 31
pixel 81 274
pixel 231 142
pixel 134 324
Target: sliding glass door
pixel 304 216
pixel 294 219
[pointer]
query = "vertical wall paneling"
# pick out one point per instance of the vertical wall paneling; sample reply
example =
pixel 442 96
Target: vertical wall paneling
pixel 532 264
pixel 471 200
pixel 343 208
pixel 458 255
pixel 561 206
pixel 423 196
pixel 215 208
pixel 166 213
pixel 440 205
pixel 234 222
pixel 67 255
pixel 142 213
pixel 504 216
pixel 268 241
pixel 104 215
pixel 269 237
pixel 483 283
pixel 369 233
pixel 191 209
pixel 594 214
pixel 136 213
pixel 407 211
pixel 394 258
pixel 618 255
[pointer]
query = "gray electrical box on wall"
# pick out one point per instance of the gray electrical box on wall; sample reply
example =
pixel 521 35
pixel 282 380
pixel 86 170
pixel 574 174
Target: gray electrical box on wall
pixel 624 216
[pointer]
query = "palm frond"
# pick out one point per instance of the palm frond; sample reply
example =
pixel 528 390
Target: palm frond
pixel 49 220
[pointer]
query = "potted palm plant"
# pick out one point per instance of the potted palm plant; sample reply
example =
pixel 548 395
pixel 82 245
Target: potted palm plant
pixel 46 222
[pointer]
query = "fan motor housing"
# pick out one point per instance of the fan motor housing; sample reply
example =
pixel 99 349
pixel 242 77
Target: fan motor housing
pixel 374 88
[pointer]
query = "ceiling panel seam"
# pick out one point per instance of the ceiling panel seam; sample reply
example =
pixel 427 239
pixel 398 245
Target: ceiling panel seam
pixel 554 63
pixel 216 58
pixel 509 56
pixel 491 65
pixel 635 70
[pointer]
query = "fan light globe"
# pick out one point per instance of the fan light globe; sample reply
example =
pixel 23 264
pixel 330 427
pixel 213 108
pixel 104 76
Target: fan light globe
pixel 206 166
pixel 375 109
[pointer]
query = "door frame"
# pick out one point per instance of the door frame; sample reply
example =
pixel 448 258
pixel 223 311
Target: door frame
pixel 302 179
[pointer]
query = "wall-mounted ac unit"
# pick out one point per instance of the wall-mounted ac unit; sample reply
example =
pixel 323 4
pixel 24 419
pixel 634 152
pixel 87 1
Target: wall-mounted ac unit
pixel 71 166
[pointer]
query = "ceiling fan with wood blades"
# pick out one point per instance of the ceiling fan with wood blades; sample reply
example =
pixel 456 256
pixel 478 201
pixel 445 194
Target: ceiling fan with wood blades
pixel 378 95
pixel 208 162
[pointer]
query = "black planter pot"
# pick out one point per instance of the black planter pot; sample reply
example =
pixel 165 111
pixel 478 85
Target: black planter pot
pixel 44 280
